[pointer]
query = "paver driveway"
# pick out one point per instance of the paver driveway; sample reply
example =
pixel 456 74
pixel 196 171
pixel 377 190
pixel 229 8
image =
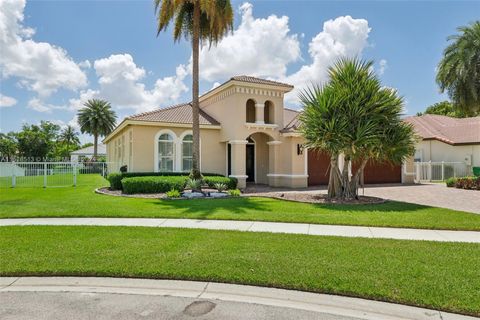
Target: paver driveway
pixel 436 195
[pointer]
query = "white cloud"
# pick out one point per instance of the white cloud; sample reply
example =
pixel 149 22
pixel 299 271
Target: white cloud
pixel 341 37
pixel 6 101
pixel 383 65
pixel 40 66
pixel 40 106
pixel 258 47
pixel 119 80
pixel 85 64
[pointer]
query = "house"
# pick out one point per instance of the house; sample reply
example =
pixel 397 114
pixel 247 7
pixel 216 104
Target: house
pixel 245 132
pixel 447 139
pixel 87 152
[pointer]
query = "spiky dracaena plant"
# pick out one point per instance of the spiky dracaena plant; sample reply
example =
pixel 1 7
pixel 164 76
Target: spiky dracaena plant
pixel 354 116
pixel 196 20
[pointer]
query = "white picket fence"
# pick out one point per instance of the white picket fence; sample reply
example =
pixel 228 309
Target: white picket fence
pixel 439 171
pixel 49 174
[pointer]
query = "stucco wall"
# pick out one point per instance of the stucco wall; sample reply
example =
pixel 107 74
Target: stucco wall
pixel 437 151
pixel 212 152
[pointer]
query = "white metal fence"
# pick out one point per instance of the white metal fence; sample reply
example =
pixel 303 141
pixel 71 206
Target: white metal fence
pixel 440 171
pixel 49 174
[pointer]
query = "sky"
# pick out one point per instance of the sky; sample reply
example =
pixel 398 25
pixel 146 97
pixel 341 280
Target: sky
pixel 55 55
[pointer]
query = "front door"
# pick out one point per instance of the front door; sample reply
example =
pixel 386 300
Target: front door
pixel 250 164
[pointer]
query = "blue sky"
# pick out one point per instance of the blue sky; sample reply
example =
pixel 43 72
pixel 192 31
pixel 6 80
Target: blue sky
pixel 56 54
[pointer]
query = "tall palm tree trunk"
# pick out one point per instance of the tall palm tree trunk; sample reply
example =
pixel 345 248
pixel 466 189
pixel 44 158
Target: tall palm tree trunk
pixel 95 146
pixel 195 92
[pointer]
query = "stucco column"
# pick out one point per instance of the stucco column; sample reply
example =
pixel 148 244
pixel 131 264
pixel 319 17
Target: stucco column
pixel 273 162
pixel 259 113
pixel 238 162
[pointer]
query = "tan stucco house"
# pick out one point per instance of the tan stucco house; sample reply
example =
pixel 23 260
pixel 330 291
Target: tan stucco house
pixel 245 132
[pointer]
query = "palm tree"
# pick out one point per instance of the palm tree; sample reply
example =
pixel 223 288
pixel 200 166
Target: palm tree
pixel 459 70
pixel 354 116
pixel 197 20
pixel 98 119
pixel 69 136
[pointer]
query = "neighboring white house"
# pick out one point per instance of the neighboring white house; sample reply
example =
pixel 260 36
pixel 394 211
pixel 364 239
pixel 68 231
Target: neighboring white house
pixel 7 169
pixel 447 139
pixel 87 152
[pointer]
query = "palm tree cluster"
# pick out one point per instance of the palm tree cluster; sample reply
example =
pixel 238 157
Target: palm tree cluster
pixel 459 70
pixel 98 119
pixel 354 116
pixel 198 21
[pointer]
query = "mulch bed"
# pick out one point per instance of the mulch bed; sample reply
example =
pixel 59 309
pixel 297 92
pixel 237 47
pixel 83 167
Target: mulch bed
pixel 118 193
pixel 320 198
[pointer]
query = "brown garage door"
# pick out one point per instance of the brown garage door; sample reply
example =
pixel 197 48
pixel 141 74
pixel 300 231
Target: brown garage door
pixel 318 168
pixel 382 173
pixel 319 165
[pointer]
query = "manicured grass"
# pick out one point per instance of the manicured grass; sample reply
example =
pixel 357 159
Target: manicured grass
pixel 429 274
pixel 83 202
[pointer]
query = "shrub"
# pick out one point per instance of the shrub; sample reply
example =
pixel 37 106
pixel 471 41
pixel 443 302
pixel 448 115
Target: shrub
pixel 220 186
pixel 472 183
pixel 194 184
pixel 173 193
pixel 152 184
pixel 117 185
pixel 234 193
pixel 451 182
pixel 123 169
pixel 231 183
pixel 115 180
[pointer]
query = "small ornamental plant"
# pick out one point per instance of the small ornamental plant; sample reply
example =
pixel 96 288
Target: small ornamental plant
pixel 194 184
pixel 173 194
pixel 234 193
pixel 220 186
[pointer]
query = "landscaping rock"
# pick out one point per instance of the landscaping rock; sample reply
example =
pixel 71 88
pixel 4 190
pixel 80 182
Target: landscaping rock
pixel 218 194
pixel 193 195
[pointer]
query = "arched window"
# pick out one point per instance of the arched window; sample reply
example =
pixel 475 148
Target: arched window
pixel 166 153
pixel 268 113
pixel 250 111
pixel 187 151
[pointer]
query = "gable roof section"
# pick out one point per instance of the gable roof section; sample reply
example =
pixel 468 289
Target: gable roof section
pixel 255 80
pixel 454 131
pixel 181 113
pixel 291 120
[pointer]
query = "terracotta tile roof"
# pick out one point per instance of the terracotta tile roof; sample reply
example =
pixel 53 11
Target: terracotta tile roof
pixel 181 113
pixel 291 120
pixel 260 81
pixel 447 129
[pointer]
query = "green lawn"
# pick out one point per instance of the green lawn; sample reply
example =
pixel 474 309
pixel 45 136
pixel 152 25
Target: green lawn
pixel 83 202
pixel 429 274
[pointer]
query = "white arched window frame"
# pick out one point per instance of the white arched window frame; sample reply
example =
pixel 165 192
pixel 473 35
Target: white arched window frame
pixel 186 155
pixel 165 151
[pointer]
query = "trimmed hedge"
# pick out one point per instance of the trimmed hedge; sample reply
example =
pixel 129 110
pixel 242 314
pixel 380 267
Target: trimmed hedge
pixel 471 183
pixel 153 184
pixel 115 179
pixel 231 183
pixel 451 182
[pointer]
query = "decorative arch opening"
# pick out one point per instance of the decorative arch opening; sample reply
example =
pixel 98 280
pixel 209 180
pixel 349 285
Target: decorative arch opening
pixel 269 112
pixel 250 111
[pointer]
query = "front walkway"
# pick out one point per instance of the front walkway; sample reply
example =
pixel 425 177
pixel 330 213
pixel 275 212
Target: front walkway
pixel 112 297
pixel 258 226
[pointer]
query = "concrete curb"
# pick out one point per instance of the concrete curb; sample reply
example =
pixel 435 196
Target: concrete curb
pixel 260 226
pixel 336 305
